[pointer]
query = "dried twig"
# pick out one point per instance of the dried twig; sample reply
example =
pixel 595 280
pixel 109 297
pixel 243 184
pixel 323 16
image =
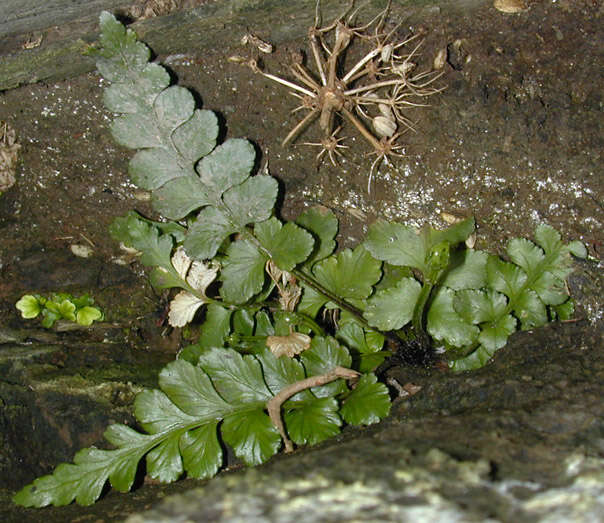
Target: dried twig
pixel 274 405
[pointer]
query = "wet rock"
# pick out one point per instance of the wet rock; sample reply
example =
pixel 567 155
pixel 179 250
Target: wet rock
pixel 60 398
pixel 520 440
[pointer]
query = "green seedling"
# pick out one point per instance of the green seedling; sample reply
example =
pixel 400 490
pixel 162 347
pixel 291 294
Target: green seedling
pixel 59 306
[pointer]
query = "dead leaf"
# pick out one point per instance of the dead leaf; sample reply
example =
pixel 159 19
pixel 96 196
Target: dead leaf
pixel 183 308
pixel 289 346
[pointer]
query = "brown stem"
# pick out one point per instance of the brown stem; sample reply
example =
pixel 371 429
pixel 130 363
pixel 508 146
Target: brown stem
pixel 368 136
pixel 317 56
pixel 287 83
pixel 274 404
pixel 301 125
pixel 300 73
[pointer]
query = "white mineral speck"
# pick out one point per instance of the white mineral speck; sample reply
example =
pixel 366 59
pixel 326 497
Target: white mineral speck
pixel 82 251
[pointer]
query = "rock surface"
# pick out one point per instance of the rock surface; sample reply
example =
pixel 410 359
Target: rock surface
pixel 521 440
pixel 516 139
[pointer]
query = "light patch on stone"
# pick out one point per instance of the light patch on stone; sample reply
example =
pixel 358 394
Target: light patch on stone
pixel 81 251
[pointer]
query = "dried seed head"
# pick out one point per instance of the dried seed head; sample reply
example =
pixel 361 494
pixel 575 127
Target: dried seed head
pixel 343 36
pixel 261 45
pixel 386 52
pixel 404 68
pixel 386 111
pixel 384 126
pixel 237 59
pixel 440 59
pixel 510 6
pixel 450 218
pixel 130 250
pixel 81 251
pixel 264 47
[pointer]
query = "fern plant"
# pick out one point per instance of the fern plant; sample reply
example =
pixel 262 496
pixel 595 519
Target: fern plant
pixel 214 396
pixel 486 299
pixel 266 371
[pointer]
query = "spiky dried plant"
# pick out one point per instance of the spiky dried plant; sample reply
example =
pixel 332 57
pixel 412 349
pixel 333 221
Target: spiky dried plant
pixel 372 94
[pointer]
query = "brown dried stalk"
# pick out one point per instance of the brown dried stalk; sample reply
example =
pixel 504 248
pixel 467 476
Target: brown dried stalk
pixel 372 95
pixel 274 405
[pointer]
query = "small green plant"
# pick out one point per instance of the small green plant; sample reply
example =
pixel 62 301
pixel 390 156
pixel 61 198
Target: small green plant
pixel 59 306
pixel 476 300
pixel 267 370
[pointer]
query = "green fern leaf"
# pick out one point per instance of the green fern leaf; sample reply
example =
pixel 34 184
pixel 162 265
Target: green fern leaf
pixel 323 224
pixel 184 419
pixel 475 360
pixel 207 232
pixel 251 201
pixel 120 49
pixel 288 245
pixel 216 326
pixel 138 234
pixel 350 275
pixel 365 345
pixel 173 107
pixel 505 277
pixel 396 244
pixel 281 372
pixel 467 270
pixel 392 308
pixel 453 235
pixel 368 402
pixel 480 306
pixel 197 136
pixel 238 379
pixel 152 168
pixel 252 435
pixel 325 354
pixel 495 335
pixel 309 423
pixel 191 391
pixel 530 310
pixel 402 245
pixel 242 274
pixel 164 462
pixel 445 324
pixel 228 165
pixel 179 196
pixel 85 479
pixel 201 451
pixel 136 131
pixel 525 254
pixel 135 93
